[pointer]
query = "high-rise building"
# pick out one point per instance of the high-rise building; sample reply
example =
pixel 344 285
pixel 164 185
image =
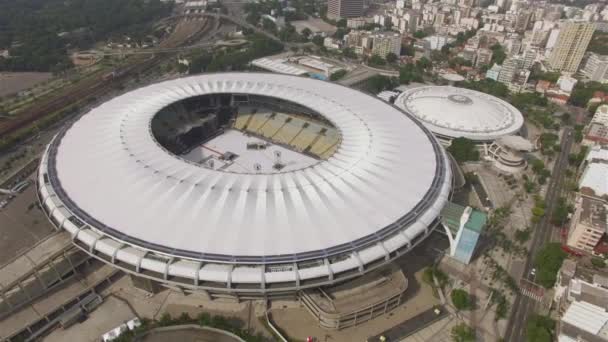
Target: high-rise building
pixel 509 68
pixel 572 42
pixel 529 56
pixel 596 68
pixel 385 43
pixel 484 57
pixel 338 9
pixel 522 21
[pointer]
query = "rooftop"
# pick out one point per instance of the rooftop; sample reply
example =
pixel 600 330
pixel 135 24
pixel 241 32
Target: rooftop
pixel 586 316
pixel 593 212
pixel 595 178
pixel 387 175
pixel 279 66
pixel 457 112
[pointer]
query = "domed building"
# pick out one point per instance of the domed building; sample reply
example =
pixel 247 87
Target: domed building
pixel 451 112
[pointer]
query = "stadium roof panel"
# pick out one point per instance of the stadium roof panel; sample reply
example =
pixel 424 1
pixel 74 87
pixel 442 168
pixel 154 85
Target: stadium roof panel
pixel 457 112
pixel 388 175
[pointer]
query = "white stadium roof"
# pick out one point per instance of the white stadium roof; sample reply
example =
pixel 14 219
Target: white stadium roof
pixel 384 185
pixel 457 112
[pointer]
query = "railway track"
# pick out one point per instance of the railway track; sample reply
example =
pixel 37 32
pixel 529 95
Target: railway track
pixel 94 87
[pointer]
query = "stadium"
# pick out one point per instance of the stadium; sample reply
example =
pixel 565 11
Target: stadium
pixel 248 184
pixel 452 112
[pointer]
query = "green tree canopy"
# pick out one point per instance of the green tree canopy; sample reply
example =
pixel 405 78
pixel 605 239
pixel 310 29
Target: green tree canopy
pixel 548 262
pixel 377 60
pixel 540 329
pixel 318 40
pixel 463 333
pixel 487 86
pixel 30 28
pixel 463 149
pixel 461 299
pixel 391 57
pixel 498 54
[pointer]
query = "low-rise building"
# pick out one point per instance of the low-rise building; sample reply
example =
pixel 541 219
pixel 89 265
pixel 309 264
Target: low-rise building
pixel 594 180
pixel 566 83
pixel 542 86
pixel 588 223
pixel 596 134
pixel 493 72
pixel 601 115
pixel 331 43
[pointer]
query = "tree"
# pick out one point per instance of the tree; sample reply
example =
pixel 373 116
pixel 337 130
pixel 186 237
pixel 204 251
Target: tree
pixel 378 83
pixel 377 60
pixel 318 40
pixel 522 235
pixel 540 329
pixel 583 92
pixel 30 28
pixel 407 50
pixel 560 212
pixel 461 299
pixel 498 54
pixel 598 262
pixel 463 333
pixel 341 23
pixel 306 32
pixel 420 34
pixel 424 63
pixel 340 33
pixel 269 25
pixel 410 73
pixel 391 58
pixel 548 262
pixel 487 86
pixel 337 75
pixel 463 149
pixel 349 53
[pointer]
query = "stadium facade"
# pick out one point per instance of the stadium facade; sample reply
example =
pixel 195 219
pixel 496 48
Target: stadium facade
pixel 158 182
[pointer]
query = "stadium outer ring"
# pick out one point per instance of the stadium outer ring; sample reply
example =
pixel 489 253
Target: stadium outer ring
pixel 214 273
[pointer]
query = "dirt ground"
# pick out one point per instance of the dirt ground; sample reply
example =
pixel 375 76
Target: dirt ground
pixel 14 82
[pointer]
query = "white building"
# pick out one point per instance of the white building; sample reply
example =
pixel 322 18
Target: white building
pixel 493 72
pixel 566 83
pixel 596 67
pixel 385 43
pixel 436 42
pixel 452 112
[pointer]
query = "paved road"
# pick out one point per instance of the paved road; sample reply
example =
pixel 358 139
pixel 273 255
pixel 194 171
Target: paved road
pixel 524 306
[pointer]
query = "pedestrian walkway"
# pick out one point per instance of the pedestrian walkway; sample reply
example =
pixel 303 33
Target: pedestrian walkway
pixel 532 294
pixel 439 331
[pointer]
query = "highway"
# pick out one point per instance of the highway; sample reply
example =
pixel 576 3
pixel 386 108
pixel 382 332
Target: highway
pixel 524 306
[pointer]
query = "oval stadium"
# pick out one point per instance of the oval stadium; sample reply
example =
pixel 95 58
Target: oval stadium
pixel 245 183
pixel 452 112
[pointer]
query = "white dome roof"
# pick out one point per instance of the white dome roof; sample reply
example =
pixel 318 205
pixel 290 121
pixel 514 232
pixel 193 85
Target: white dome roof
pixel 457 112
pixel 388 175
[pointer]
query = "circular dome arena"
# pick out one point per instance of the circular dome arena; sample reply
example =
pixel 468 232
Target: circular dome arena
pixel 245 182
pixel 452 112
